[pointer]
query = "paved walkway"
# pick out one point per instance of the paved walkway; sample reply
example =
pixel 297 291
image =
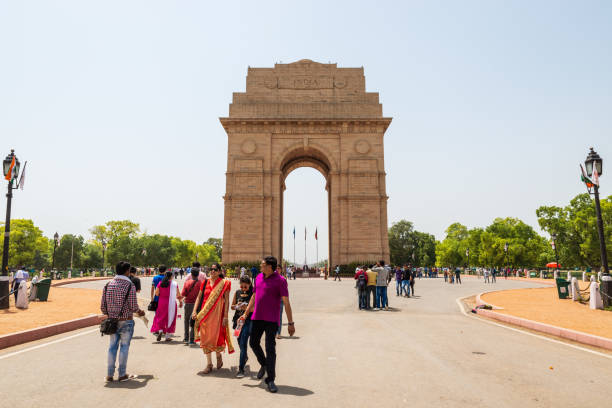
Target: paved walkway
pixel 424 353
pixel 543 305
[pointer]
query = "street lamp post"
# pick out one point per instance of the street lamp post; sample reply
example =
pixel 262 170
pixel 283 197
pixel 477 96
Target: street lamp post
pixel 594 169
pixel 55 244
pixel 103 253
pixel 10 167
pixel 467 253
pixel 506 246
pixel 554 245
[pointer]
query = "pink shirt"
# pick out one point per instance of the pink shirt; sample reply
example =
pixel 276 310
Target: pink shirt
pixel 268 294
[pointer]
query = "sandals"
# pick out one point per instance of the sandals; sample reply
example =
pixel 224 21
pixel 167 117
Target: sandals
pixel 219 362
pixel 207 370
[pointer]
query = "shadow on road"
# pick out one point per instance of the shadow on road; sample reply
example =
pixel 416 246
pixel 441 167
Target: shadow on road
pixel 138 337
pixel 284 389
pixel 290 337
pixel 139 382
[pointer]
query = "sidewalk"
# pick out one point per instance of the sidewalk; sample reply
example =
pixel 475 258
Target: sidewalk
pixel 63 304
pixel 543 305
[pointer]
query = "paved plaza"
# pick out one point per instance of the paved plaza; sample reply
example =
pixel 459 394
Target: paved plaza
pixel 423 353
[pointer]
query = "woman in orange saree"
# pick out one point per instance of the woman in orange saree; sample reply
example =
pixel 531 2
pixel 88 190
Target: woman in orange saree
pixel 212 328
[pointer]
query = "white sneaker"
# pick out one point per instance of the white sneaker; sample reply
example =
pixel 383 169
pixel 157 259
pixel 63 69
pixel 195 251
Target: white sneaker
pixel 376 309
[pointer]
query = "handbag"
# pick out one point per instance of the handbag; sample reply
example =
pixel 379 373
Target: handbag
pixel 110 325
pixel 152 306
pixel 199 305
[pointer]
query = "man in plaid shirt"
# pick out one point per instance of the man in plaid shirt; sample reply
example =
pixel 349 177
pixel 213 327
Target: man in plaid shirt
pixel 119 302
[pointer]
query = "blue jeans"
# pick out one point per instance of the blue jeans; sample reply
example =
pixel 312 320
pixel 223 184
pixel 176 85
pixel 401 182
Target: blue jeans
pixel 398 287
pixel 280 319
pixel 381 297
pixel 123 337
pixel 406 287
pixel 243 343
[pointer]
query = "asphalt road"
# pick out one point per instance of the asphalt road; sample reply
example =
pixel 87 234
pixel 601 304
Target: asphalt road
pixel 423 353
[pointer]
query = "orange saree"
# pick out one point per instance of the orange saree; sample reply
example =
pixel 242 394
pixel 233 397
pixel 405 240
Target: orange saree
pixel 211 334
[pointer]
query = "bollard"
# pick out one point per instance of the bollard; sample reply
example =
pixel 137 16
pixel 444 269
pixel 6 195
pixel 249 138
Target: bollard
pixel 41 275
pixel 541 275
pixel 584 279
pixel 569 276
pixel 69 274
pixel 81 274
pixel 105 273
pixel 556 274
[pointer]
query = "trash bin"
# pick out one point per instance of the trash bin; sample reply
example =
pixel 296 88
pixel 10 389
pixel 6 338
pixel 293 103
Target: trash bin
pixel 42 289
pixel 562 288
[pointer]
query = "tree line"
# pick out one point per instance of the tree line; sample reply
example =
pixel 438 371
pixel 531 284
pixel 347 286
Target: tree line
pixel 115 240
pixel 574 225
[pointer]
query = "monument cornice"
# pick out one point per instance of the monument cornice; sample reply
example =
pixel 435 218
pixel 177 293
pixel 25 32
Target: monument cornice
pixel 339 125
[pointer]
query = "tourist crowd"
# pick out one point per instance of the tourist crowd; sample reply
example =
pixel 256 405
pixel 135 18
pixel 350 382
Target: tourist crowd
pixel 206 298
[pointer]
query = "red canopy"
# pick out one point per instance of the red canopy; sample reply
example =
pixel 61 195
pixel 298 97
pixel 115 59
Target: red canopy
pixel 553 265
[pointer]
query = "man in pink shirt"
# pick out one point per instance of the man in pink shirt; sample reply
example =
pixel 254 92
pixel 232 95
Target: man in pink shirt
pixel 269 289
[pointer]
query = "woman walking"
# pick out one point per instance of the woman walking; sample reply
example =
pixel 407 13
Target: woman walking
pixel 212 328
pixel 167 292
pixel 239 304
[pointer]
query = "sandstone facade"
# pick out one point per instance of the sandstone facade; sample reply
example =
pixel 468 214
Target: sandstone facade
pixel 305 114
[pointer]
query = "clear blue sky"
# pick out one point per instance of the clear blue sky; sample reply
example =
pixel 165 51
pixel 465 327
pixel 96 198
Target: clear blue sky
pixel 115 105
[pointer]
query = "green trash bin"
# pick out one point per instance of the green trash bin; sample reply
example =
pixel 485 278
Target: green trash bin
pixel 562 288
pixel 42 289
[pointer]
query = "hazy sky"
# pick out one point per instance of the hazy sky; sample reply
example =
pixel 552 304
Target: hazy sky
pixel 115 105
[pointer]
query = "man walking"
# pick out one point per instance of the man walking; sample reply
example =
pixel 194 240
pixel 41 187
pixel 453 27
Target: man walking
pixel 190 291
pixel 406 276
pixel 337 273
pixel 268 291
pixel 458 275
pixel 398 281
pixel 119 302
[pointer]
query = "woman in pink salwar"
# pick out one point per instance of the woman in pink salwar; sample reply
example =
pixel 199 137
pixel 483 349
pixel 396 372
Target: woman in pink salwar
pixel 165 315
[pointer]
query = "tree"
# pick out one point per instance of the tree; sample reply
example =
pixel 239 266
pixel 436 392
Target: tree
pixel 184 250
pixel 409 246
pixel 92 256
pixel 70 246
pixel 27 246
pixel 217 243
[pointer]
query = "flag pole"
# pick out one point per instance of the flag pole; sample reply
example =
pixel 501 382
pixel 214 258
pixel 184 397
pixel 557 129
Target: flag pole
pixel 317 247
pixel 305 264
pixel 294 245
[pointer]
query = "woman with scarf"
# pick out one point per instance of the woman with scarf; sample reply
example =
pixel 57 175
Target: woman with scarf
pixel 211 322
pixel 165 315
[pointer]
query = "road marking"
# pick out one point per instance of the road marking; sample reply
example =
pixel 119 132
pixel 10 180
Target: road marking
pixel 2 357
pixel 460 304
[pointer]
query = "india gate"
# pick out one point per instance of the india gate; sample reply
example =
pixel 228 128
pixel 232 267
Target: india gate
pixel 305 114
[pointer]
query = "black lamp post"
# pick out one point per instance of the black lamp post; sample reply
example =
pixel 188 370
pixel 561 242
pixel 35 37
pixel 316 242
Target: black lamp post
pixel 554 245
pixel 103 253
pixel 593 163
pixel 506 246
pixel 467 253
pixel 55 244
pixel 10 168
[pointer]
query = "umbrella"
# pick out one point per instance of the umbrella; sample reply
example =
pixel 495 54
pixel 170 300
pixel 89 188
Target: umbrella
pixel 553 265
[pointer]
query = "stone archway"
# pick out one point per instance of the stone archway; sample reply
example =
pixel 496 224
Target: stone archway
pixel 296 115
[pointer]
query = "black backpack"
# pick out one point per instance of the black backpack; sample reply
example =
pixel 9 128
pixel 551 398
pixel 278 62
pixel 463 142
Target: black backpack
pixel 361 281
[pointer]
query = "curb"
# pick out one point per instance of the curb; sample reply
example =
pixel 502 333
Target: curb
pixel 580 337
pixel 69 282
pixel 14 339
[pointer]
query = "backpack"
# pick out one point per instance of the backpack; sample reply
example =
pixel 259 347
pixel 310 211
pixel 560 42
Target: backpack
pixel 361 282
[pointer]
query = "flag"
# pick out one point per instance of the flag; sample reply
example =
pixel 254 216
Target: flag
pixel 9 176
pixel 585 179
pixel 595 178
pixel 294 232
pixel 22 179
pixel 317 233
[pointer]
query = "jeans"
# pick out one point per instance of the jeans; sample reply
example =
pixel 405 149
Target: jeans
pixel 280 319
pixel 458 278
pixel 362 298
pixel 189 331
pixel 243 342
pixel 123 337
pixel 267 360
pixel 406 287
pixel 370 291
pixel 381 297
pixel 398 287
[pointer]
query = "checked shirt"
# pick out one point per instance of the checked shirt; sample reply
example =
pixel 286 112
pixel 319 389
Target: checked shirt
pixel 112 301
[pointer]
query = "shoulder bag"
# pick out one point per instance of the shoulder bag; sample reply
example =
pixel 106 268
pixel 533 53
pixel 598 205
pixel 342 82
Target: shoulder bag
pixel 110 325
